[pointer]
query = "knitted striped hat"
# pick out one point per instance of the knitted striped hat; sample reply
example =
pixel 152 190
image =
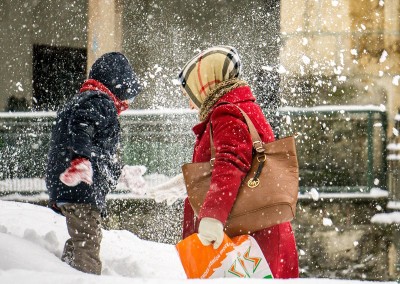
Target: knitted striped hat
pixel 207 69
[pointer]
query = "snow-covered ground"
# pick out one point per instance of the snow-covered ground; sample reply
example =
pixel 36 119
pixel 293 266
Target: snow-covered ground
pixel 32 238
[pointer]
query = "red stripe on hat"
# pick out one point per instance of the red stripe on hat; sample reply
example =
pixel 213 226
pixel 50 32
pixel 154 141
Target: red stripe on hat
pixel 203 88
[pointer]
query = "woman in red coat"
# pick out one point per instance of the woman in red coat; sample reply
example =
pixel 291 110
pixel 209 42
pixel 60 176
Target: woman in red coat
pixel 211 81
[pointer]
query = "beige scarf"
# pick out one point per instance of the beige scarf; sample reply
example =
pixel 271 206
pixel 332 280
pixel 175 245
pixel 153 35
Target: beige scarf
pixel 211 67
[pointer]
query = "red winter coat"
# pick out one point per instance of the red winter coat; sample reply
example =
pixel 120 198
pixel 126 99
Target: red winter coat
pixel 233 157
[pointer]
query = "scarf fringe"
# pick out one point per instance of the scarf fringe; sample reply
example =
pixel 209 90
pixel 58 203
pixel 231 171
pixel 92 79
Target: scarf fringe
pixel 218 92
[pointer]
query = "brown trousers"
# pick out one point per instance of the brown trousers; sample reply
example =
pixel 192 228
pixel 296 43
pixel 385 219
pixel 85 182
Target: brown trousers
pixel 82 250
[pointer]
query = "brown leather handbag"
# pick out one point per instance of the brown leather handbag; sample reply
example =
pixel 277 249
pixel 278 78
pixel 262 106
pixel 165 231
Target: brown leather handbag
pixel 268 194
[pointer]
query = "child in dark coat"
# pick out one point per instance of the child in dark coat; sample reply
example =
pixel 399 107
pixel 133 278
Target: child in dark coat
pixel 82 161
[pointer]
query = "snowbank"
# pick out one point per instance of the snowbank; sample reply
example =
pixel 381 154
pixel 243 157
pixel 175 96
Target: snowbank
pixel 32 239
pixel 386 218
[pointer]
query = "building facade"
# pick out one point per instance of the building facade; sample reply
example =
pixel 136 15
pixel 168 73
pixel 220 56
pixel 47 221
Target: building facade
pixel 319 52
pixel 47 46
pixel 341 52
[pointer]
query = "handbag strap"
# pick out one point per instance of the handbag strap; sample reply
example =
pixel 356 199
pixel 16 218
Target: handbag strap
pixel 255 137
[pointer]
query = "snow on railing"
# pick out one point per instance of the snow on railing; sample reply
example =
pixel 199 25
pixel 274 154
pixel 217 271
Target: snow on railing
pixel 141 112
pixel 386 218
pixel 134 112
pixel 373 193
pixel 335 108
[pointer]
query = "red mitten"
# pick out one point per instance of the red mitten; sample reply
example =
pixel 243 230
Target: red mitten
pixel 80 170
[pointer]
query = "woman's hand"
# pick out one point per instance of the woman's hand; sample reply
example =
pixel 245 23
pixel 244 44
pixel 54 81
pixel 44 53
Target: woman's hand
pixel 211 231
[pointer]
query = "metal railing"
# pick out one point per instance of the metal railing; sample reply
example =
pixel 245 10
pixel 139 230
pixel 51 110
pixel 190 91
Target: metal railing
pixel 354 137
pixel 340 148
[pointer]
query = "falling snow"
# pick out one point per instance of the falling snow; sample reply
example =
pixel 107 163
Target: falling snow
pixel 324 73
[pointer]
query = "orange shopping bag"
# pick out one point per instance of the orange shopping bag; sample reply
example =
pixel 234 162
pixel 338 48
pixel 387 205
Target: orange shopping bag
pixel 238 257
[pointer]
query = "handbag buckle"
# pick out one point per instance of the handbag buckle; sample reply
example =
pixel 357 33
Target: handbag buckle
pixel 258 145
pixel 252 183
pixel 261 158
pixel 212 162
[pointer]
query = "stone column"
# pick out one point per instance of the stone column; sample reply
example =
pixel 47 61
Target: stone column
pixel 16 19
pixel 392 25
pixel 392 47
pixel 104 28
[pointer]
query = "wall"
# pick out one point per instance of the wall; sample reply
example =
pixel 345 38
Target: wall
pixel 25 23
pixel 158 38
pixel 15 55
pixel 341 52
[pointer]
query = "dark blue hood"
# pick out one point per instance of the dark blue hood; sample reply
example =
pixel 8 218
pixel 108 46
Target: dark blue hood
pixel 115 72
